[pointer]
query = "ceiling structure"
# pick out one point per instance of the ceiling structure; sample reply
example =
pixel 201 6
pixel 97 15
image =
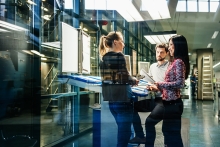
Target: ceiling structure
pixel 197 27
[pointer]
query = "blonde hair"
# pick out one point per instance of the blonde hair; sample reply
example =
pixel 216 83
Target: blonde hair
pixel 106 42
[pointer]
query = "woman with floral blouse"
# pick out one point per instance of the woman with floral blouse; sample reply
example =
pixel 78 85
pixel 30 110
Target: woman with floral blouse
pixel 171 107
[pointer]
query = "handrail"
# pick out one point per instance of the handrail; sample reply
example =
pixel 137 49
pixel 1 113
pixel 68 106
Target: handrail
pixel 49 72
pixel 51 81
pixel 52 32
pixel 55 91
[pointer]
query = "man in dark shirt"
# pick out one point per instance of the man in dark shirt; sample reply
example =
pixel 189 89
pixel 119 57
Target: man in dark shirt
pixel 193 84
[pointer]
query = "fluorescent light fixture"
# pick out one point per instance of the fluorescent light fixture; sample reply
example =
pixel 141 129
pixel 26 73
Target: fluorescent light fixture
pixel 45 9
pixel 85 29
pixel 209 45
pixel 28 52
pixel 128 12
pixel 43 58
pixel 99 4
pixel 31 2
pixel 160 37
pixel 37 53
pixel 11 26
pixel 3 30
pixel 216 64
pixel 215 34
pixel 46 17
pixel 55 44
pixel 156 11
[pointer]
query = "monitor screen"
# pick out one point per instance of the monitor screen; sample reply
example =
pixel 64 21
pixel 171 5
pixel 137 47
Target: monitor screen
pixel 143 65
pixel 85 53
pixel 69 49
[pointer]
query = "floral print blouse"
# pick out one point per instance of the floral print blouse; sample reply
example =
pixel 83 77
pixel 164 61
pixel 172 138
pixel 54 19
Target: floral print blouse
pixel 174 80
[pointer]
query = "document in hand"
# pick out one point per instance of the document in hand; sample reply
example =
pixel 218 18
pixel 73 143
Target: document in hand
pixel 147 77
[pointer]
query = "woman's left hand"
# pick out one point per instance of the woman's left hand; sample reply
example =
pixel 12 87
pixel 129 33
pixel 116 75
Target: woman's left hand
pixel 153 87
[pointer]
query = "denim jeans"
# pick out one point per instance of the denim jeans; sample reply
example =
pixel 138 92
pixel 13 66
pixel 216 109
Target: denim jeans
pixel 170 112
pixel 123 114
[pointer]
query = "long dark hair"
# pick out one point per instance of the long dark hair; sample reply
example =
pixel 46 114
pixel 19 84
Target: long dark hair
pixel 181 51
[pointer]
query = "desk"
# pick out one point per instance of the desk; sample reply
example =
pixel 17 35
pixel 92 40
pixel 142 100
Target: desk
pixel 104 125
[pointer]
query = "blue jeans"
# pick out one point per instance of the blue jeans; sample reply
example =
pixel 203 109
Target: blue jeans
pixel 123 114
pixel 170 112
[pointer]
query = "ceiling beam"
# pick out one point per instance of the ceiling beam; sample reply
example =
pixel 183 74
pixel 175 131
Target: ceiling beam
pixel 172 7
pixel 217 14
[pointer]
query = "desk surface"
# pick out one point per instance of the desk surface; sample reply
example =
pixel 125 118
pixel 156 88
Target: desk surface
pixel 94 83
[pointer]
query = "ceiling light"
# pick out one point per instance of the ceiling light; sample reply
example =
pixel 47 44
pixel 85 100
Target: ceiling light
pixel 209 45
pixel 28 52
pixel 11 26
pixel 129 13
pixel 99 5
pixel 37 53
pixel 160 37
pixel 215 34
pixel 216 64
pixel 3 30
pixel 85 29
pixel 45 9
pixel 43 58
pixel 46 17
pixel 156 11
pixel 189 54
pixel 31 2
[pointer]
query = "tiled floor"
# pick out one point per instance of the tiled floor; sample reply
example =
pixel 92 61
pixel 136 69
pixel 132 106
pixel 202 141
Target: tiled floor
pixel 204 128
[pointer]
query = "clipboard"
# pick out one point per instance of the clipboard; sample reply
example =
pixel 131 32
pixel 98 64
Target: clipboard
pixel 147 77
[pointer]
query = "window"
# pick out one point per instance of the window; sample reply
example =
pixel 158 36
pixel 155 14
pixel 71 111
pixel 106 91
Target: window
pixel 197 5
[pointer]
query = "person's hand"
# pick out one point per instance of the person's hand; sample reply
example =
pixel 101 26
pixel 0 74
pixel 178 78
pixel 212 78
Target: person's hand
pixel 136 82
pixel 153 87
pixel 148 85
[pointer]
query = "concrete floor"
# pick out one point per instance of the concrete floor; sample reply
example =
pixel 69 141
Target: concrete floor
pixel 201 122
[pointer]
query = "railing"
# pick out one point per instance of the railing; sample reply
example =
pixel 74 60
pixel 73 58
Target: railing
pixel 51 81
pixel 49 72
pixel 55 91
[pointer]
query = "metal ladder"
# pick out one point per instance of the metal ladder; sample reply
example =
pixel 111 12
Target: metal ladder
pixel 207 84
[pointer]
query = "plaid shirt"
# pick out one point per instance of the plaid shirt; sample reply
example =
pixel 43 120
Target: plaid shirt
pixel 174 80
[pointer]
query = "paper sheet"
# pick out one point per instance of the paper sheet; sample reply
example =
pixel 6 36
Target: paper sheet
pixel 147 77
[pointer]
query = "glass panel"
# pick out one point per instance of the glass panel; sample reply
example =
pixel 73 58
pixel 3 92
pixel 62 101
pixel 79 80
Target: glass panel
pixel 203 6
pixel 192 6
pixel 106 21
pixel 181 6
pixel 213 6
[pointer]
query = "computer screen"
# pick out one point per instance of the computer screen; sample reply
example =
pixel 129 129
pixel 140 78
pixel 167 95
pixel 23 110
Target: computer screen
pixel 69 49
